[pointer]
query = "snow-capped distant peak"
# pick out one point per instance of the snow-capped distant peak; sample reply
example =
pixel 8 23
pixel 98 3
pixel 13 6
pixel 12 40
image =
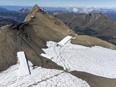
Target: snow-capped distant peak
pixel 75 10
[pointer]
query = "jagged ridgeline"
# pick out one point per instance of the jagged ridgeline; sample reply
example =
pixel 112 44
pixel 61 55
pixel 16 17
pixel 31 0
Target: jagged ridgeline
pixel 31 36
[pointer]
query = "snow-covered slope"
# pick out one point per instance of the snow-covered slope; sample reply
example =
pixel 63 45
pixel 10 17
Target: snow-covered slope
pixel 40 77
pixel 96 60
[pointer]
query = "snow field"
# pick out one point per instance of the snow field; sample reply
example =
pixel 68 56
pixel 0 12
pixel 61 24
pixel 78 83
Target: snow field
pixel 95 60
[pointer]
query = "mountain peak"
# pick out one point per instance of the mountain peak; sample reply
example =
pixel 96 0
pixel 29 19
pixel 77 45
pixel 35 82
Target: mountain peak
pixel 35 8
pixel 32 13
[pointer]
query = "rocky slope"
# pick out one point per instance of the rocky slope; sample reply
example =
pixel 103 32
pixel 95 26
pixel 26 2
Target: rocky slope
pixel 31 37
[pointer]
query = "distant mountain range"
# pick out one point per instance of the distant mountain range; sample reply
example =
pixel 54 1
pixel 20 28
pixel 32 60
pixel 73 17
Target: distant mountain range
pixel 7 21
pixel 15 8
pixel 92 24
pixel 14 15
pixel 15 12
pixel 69 9
pixel 3 9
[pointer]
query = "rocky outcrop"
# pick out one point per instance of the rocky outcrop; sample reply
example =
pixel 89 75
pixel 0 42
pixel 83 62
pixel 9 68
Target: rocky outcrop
pixel 32 13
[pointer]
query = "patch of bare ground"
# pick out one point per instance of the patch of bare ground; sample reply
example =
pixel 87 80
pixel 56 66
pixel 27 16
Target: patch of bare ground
pixel 95 81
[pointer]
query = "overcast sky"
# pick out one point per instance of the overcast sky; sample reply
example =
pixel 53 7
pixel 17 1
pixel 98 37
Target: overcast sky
pixel 61 3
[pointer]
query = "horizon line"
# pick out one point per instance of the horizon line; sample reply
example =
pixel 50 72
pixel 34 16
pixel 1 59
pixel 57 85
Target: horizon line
pixel 59 6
